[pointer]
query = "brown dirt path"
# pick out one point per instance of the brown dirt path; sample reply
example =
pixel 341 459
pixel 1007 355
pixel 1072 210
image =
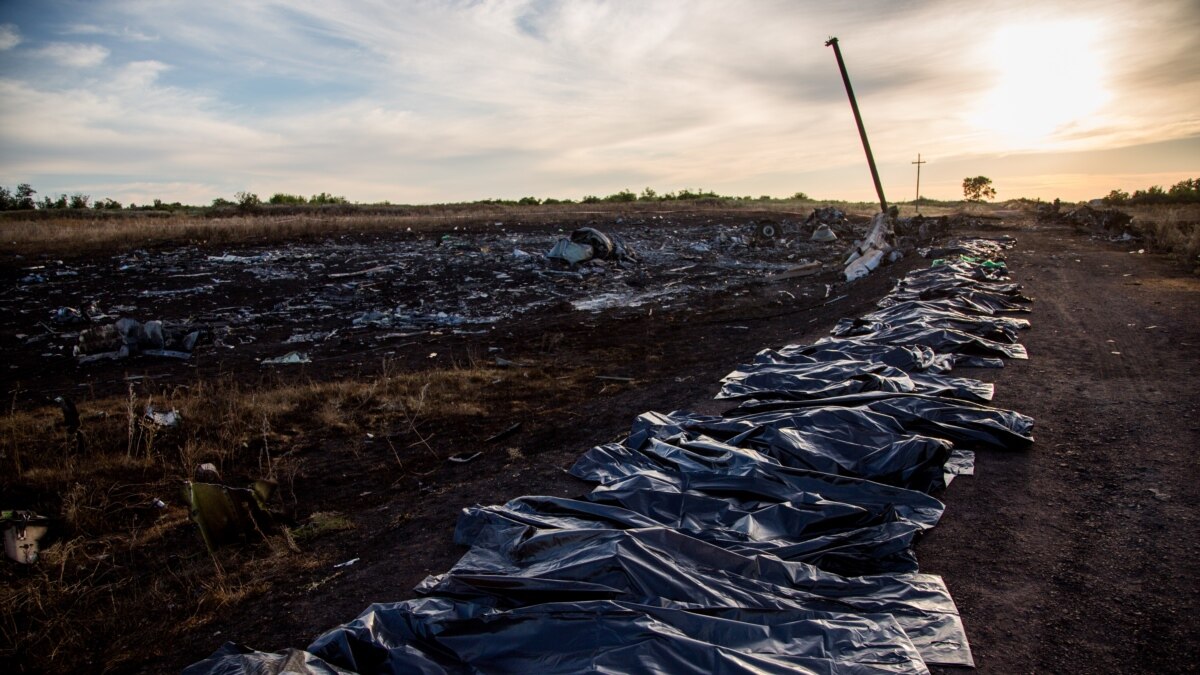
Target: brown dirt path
pixel 1082 555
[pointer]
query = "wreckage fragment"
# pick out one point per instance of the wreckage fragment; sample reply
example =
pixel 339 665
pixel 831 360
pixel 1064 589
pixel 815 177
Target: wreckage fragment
pixel 227 515
pixel 22 531
pixel 127 337
pixel 588 243
pixel 868 253
pixel 823 234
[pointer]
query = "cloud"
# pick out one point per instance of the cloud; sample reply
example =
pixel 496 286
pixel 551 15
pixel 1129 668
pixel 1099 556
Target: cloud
pixel 74 55
pixel 445 100
pixel 10 36
pixel 123 33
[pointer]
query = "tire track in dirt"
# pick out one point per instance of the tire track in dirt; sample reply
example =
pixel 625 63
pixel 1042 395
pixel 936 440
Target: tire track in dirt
pixel 1080 555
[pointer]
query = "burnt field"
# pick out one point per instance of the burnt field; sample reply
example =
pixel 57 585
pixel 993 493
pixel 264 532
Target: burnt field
pixel 437 366
pixel 355 299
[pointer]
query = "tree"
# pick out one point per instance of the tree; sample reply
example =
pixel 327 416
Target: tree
pixel 1116 197
pixel 978 189
pixel 247 199
pixel 1187 190
pixel 25 196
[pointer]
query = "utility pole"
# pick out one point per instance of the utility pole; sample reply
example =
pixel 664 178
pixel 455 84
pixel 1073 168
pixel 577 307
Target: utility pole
pixel 917 201
pixel 862 131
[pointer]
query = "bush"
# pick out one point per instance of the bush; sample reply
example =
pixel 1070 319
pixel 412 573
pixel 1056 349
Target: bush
pixel 284 198
pixel 622 196
pixel 1116 198
pixel 529 201
pixel 244 199
pixel 326 198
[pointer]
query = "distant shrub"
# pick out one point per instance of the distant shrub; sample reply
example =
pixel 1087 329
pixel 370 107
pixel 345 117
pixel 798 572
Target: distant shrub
pixel 590 199
pixel 529 201
pixel 326 198
pixel 284 198
pixel 698 194
pixel 622 196
pixel 244 199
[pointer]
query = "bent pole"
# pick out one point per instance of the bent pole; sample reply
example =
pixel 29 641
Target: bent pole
pixel 862 131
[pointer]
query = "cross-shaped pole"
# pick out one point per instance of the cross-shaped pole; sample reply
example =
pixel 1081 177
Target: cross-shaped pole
pixel 917 201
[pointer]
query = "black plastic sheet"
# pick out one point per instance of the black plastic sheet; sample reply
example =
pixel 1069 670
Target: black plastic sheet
pixel 844 525
pixel 440 635
pixel 665 567
pixel 842 441
pixel 909 358
pixel 840 378
pixel 967 425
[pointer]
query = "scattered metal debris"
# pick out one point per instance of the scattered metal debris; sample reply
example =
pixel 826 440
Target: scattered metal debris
pixel 357 293
pixel 503 434
pixel 165 419
pixel 588 243
pixel 127 337
pixel 868 253
pixel 290 358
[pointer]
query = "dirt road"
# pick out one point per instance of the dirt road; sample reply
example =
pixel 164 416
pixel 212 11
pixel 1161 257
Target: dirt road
pixel 1082 555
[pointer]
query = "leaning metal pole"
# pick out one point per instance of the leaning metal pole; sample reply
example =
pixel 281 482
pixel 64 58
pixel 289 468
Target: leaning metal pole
pixel 862 131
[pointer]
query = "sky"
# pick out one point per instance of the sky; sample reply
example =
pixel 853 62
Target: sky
pixel 454 100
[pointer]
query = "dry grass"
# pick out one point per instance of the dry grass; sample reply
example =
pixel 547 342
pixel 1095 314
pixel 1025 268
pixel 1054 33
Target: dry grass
pixel 1173 229
pixel 46 233
pixel 120 556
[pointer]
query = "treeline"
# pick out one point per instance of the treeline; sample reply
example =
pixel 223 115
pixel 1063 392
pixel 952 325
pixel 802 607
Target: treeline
pixel 23 198
pixel 1186 191
pixel 646 195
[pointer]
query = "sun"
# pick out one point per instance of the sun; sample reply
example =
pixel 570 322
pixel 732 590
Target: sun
pixel 1048 77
